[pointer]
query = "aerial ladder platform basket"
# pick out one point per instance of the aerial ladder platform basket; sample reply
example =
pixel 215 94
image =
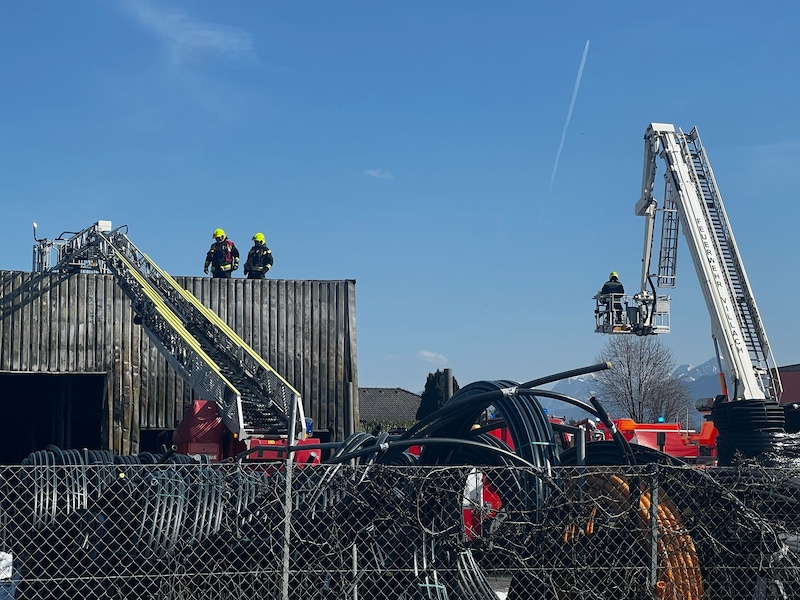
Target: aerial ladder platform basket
pixel 692 202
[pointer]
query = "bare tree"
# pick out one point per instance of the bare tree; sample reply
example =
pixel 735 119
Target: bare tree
pixel 640 384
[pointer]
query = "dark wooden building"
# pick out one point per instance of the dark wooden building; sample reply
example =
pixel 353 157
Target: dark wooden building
pixel 77 371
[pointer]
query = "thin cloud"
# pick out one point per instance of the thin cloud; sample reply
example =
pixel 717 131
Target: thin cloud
pixel 431 357
pixel 569 112
pixel 379 173
pixel 191 42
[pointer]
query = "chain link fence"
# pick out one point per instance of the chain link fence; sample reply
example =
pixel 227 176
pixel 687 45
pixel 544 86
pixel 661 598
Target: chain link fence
pixel 90 525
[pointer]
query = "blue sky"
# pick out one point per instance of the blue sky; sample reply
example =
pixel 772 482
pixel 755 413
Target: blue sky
pixel 451 157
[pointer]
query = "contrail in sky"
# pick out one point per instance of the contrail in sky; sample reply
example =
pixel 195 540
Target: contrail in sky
pixel 569 112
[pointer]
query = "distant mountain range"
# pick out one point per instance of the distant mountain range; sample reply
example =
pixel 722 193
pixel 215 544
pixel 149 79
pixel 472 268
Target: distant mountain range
pixel 702 380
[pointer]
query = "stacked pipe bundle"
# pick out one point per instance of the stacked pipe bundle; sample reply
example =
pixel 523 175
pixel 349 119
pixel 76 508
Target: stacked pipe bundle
pixel 750 428
pixel 378 521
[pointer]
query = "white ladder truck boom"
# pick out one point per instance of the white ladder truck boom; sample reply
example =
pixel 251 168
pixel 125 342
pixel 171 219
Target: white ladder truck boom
pixel 252 398
pixel 692 200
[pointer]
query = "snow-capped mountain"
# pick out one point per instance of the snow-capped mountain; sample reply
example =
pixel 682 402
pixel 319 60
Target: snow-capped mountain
pixel 702 380
pixel 690 373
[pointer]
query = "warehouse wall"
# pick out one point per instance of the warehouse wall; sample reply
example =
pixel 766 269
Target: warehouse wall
pixel 83 323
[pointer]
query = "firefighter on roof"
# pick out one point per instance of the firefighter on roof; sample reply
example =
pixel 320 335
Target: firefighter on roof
pixel 259 259
pixel 223 256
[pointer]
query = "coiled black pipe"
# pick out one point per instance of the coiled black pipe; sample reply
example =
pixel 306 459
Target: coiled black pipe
pixel 747 427
pixel 449 442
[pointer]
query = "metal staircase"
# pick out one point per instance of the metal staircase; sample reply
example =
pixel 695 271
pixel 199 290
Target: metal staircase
pixel 253 399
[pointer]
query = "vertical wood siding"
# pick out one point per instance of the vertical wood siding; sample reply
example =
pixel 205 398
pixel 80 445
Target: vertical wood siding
pixel 83 323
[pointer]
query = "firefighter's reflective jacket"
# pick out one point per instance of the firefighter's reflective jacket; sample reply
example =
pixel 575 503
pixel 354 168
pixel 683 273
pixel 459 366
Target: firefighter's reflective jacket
pixel 259 261
pixel 223 257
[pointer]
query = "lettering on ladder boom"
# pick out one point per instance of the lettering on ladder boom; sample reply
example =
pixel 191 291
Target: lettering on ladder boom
pixel 711 257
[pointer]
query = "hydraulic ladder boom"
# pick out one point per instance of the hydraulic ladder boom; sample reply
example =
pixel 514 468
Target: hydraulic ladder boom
pixel 252 397
pixel 692 199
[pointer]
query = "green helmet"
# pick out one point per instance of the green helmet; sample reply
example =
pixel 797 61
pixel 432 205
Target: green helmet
pixel 613 275
pixel 218 233
pixel 259 238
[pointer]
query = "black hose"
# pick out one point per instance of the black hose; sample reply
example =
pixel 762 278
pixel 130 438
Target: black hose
pixel 428 441
pixel 623 444
pixel 566 375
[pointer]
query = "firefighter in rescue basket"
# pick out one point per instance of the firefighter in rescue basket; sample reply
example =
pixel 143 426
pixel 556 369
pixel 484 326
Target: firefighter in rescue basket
pixel 609 301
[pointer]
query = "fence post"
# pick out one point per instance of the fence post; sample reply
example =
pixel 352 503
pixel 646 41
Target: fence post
pixel 654 528
pixel 287 500
pixel 355 571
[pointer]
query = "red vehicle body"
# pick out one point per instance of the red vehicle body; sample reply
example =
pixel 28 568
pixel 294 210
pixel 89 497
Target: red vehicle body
pixel 202 432
pixel 692 446
pixel 482 504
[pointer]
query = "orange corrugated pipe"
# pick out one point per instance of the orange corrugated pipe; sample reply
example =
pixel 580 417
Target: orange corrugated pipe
pixel 680 574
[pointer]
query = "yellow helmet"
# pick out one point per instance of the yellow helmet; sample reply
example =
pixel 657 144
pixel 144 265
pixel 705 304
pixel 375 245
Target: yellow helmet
pixel 218 233
pixel 259 237
pixel 613 274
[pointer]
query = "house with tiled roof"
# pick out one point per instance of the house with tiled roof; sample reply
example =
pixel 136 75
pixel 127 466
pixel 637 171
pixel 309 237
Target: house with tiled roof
pixel 382 405
pixel 790 379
